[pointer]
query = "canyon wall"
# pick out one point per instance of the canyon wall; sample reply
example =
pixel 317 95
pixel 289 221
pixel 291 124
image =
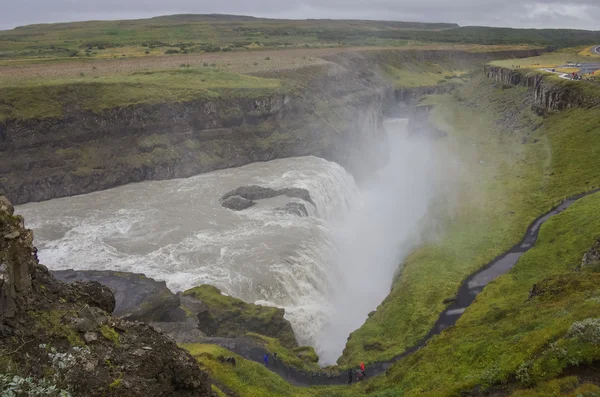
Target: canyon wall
pixel 333 111
pixel 551 92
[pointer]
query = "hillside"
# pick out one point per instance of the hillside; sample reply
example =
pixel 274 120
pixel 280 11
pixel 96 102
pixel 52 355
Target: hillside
pixel 186 34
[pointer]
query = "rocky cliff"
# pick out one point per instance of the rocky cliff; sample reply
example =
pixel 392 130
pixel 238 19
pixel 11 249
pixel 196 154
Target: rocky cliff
pixel 333 111
pixel 551 92
pixel 61 338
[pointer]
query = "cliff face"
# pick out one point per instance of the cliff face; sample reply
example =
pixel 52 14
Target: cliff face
pixel 85 151
pixel 59 335
pixel 334 111
pixel 551 93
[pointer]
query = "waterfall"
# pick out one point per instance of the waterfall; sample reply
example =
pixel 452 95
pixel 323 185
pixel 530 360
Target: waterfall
pixel 328 270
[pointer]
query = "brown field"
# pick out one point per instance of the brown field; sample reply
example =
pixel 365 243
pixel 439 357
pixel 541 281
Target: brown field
pixel 247 62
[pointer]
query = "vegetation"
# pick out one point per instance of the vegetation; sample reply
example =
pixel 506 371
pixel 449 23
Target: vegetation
pixel 511 333
pixel 421 74
pixel 231 317
pixel 185 34
pixel 246 378
pixel 515 167
pixel 53 98
pixel 303 357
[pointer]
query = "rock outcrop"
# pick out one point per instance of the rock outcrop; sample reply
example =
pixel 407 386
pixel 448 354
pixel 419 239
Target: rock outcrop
pixel 254 192
pixel 62 335
pixel 243 197
pixel 237 203
pixel 138 298
pixel 294 208
pixel 592 257
pixel 551 94
pixel 224 316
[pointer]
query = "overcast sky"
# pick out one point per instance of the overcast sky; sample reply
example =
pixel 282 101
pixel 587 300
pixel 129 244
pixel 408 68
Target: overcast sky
pixel 579 14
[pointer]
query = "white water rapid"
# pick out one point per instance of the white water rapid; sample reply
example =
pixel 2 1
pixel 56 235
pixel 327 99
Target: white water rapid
pixel 328 270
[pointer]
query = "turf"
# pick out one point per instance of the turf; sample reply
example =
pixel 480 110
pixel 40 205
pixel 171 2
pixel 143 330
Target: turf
pixel 36 99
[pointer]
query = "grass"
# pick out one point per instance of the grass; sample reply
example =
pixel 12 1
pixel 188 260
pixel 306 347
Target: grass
pixel 193 33
pixel 508 184
pixel 422 75
pixel 185 34
pixel 507 334
pixel 249 378
pixel 236 317
pixel 303 358
pixel 110 334
pixel 53 323
pixel 563 387
pixel 53 98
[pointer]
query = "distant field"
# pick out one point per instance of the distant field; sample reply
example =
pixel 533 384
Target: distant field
pixel 185 34
pixel 250 62
pixel 197 34
pixel 551 60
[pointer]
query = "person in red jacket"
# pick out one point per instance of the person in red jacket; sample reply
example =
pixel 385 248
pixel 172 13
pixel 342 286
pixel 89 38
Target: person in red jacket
pixel 362 369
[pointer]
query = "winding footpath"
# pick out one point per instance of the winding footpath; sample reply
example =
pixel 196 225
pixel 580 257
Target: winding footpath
pixel 467 293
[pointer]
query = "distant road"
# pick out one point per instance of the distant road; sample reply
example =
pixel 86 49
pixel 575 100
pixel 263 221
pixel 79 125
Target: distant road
pixel 596 50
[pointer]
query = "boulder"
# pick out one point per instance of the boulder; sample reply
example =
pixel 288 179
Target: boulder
pixel 182 331
pixel 224 316
pixel 254 192
pixel 592 257
pixel 137 297
pixel 294 208
pixel 237 203
pixel 6 206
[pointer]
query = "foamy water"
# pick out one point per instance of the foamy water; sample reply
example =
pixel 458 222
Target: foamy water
pixel 328 270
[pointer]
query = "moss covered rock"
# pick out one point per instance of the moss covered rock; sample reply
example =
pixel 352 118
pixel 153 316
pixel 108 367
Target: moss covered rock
pixel 225 316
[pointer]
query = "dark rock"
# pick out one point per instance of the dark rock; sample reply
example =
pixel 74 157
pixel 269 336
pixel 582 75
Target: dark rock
pixel 254 192
pixel 96 294
pixel 224 316
pixel 181 332
pixel 592 257
pixel 294 208
pixel 90 337
pixel 237 203
pixel 449 300
pixel 137 297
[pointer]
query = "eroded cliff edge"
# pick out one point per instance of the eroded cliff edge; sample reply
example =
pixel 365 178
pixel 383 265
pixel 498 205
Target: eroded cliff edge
pixel 333 111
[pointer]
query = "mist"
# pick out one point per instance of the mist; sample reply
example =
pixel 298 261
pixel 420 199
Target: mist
pixel 374 239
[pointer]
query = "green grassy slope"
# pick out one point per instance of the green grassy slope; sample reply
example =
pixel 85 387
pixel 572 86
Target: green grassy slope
pixel 212 33
pixel 506 335
pixel 34 99
pixel 518 166
pixel 194 33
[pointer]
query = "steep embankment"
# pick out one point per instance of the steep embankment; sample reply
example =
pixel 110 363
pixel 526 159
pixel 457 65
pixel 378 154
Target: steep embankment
pixel 516 165
pixel 68 139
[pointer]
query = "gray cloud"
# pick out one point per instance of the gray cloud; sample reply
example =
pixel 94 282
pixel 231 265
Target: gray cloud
pixel 579 14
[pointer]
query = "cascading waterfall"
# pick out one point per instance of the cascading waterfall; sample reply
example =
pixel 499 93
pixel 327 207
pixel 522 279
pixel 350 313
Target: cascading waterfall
pixel 371 242
pixel 177 231
pixel 328 270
